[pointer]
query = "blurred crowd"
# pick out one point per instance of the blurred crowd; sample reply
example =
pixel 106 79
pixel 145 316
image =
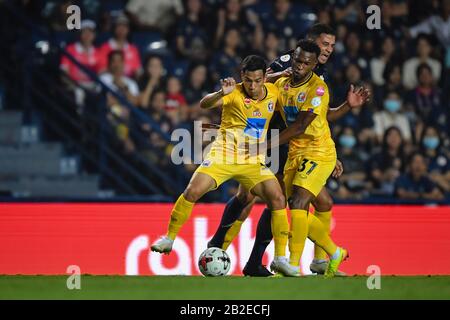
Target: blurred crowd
pixel 164 55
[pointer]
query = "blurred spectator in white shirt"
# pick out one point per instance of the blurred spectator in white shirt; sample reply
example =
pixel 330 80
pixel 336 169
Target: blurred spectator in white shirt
pixel 423 56
pixel 158 15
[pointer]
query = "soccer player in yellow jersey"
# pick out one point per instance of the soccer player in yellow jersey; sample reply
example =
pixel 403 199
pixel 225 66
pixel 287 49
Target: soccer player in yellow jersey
pixel 247 108
pixel 304 99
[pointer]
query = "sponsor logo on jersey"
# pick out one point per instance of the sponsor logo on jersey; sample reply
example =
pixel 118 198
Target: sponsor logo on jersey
pixel 257 113
pixel 247 102
pixel 270 106
pixel 316 101
pixel 320 91
pixel 285 58
pixel 301 97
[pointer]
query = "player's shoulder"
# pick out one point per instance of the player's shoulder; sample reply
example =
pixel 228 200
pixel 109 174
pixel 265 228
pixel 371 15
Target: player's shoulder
pixel 271 87
pixel 281 81
pixel 239 89
pixel 318 82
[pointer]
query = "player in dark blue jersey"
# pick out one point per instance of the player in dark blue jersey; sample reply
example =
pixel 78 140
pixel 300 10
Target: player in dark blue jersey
pixel 238 207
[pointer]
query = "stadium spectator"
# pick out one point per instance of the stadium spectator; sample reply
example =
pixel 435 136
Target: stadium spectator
pixel 378 64
pixel 438 25
pixel 196 88
pixel 416 184
pixel 438 162
pixel 353 182
pixel 153 79
pixel 176 106
pixel 85 53
pixel 353 54
pixel 191 35
pixel 392 76
pixel 246 22
pixel 154 15
pixel 423 56
pixel 348 11
pixel 118 114
pixel 282 21
pixel 427 101
pixel 119 41
pixel 271 47
pixel 387 165
pixel 392 116
pixel 226 62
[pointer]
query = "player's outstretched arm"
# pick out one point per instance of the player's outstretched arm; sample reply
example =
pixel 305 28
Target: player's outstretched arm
pixel 356 97
pixel 274 76
pixel 214 99
pixel 297 128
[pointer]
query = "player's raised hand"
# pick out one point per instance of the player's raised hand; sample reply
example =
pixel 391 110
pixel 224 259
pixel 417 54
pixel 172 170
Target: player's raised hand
pixel 228 85
pixel 287 72
pixel 356 97
pixel 338 170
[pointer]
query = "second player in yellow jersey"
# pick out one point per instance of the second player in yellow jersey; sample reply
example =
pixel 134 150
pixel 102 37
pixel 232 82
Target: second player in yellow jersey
pixel 312 155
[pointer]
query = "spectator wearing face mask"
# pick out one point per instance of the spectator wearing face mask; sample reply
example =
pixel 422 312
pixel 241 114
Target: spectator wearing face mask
pixel 391 116
pixel 353 182
pixel 438 161
pixel 416 183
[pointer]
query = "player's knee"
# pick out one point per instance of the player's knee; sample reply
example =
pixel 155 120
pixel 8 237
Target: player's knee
pixel 277 201
pixel 244 196
pixel 323 204
pixel 192 193
pixel 298 202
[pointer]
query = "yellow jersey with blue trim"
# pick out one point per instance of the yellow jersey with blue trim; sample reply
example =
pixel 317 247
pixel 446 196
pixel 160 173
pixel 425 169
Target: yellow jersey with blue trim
pixel 311 95
pixel 244 120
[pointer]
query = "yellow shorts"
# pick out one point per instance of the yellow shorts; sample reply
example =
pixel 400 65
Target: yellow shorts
pixel 249 175
pixel 306 173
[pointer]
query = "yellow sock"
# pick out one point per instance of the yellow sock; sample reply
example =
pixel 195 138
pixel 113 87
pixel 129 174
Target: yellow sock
pixel 231 234
pixel 180 214
pixel 319 235
pixel 299 233
pixel 280 231
pixel 325 218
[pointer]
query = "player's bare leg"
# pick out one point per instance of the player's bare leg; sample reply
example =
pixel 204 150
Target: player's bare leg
pixel 199 185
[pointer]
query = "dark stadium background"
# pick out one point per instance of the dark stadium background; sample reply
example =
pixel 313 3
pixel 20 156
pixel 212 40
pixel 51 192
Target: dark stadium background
pixel 77 154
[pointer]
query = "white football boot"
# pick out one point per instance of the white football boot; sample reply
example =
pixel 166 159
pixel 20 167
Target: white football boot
pixel 163 245
pixel 281 265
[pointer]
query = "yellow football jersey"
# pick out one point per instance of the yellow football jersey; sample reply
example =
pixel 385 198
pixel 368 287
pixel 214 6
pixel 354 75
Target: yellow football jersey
pixel 244 120
pixel 311 96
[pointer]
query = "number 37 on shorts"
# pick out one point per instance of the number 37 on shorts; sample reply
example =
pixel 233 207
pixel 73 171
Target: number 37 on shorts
pixel 306 173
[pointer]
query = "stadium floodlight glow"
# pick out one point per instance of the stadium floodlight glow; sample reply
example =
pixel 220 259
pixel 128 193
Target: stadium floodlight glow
pixel 157 45
pixel 43 46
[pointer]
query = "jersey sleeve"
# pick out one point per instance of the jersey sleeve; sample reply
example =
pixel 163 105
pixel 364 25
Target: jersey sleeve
pixel 229 98
pixel 281 63
pixel 316 99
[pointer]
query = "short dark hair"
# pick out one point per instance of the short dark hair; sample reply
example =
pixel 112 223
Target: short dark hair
pixel 316 30
pixel 421 67
pixel 253 63
pixel 309 46
pixel 112 53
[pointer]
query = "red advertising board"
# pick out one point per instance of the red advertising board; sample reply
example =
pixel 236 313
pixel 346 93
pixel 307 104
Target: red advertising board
pixel 115 238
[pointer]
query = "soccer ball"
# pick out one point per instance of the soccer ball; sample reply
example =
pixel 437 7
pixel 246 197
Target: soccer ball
pixel 214 262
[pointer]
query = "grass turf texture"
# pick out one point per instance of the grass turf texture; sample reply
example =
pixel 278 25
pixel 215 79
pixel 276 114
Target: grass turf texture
pixel 188 287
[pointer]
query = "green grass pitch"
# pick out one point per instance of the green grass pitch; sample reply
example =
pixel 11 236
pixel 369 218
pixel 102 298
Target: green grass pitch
pixel 189 287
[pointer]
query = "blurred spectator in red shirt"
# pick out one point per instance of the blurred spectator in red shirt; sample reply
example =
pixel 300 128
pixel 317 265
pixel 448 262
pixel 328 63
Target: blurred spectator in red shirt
pixel 120 42
pixel 84 52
